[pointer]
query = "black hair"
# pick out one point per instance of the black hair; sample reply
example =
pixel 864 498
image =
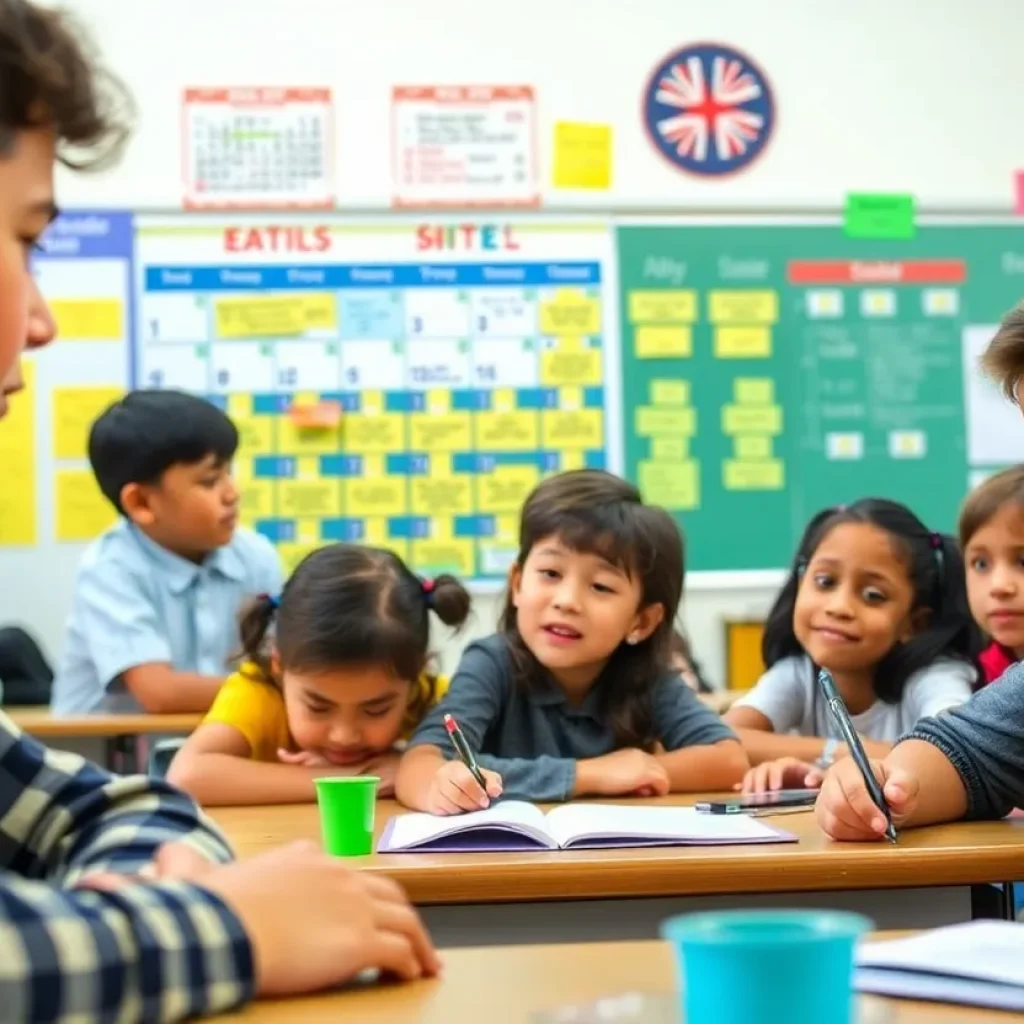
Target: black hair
pixel 49 78
pixel 681 647
pixel 138 438
pixel 347 604
pixel 935 568
pixel 594 512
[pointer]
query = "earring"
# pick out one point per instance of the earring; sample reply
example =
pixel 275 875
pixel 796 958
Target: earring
pixel 632 640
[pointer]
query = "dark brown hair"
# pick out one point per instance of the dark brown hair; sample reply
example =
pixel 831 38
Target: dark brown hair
pixel 597 513
pixel 49 77
pixel 347 604
pixel 1006 488
pixel 1003 360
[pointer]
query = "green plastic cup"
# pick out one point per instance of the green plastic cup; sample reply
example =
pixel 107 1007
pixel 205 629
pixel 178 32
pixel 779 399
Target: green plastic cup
pixel 347 808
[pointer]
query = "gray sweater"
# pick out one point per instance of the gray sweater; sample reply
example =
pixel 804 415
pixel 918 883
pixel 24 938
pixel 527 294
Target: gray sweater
pixel 984 740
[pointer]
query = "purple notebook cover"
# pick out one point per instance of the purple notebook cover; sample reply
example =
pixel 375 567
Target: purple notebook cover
pixel 500 840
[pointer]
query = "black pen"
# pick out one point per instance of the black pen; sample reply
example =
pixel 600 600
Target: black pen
pixel 462 749
pixel 842 717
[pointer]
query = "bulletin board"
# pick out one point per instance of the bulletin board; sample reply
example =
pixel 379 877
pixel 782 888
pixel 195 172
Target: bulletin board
pixel 774 367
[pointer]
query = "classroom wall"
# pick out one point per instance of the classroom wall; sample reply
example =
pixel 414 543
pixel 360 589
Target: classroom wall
pixel 866 101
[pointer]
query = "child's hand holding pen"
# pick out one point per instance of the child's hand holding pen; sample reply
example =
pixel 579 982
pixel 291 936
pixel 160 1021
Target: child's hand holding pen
pixel 462 785
pixel 845 809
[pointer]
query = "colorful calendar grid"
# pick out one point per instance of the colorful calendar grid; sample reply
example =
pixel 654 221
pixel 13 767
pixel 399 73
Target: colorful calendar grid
pixel 460 384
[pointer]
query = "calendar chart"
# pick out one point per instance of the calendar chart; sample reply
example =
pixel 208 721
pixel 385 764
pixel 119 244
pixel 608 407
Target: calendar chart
pixel 402 384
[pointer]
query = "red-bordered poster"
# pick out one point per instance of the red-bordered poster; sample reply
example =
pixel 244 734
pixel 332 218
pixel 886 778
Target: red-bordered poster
pixel 464 145
pixel 262 148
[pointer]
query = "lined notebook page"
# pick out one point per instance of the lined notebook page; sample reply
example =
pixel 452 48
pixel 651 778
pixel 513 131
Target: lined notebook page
pixel 577 821
pixel 410 829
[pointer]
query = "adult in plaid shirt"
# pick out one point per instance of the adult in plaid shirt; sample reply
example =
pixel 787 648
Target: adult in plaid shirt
pixel 117 901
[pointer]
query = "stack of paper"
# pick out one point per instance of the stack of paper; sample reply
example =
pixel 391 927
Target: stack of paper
pixel 975 964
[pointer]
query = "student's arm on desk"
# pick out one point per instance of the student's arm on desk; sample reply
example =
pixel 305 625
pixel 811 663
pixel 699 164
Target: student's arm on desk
pixel 762 743
pixel 214 765
pixel 163 691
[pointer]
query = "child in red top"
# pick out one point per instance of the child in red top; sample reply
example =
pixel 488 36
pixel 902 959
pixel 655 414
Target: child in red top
pixel 992 538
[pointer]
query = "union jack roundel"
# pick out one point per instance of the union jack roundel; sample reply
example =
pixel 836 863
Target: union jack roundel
pixel 709 109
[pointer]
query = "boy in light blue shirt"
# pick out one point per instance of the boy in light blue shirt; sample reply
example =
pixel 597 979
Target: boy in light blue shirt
pixel 153 625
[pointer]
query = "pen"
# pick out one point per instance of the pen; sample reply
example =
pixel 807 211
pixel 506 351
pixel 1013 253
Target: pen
pixel 842 717
pixel 462 749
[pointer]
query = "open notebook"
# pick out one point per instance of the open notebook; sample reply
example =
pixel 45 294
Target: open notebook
pixel 515 825
pixel 980 963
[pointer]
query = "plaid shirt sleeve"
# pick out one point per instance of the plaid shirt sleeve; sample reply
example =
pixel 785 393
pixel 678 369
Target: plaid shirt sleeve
pixel 159 952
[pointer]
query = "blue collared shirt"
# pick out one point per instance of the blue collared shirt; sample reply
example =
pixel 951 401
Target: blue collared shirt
pixel 136 603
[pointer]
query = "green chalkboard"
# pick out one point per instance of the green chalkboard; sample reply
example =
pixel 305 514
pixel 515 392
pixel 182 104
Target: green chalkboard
pixel 770 369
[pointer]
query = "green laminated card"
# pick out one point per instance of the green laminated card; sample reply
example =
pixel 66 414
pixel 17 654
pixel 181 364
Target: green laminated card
pixel 879 215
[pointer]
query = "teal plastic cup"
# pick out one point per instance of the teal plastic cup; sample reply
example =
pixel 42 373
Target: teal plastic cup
pixel 763 967
pixel 347 810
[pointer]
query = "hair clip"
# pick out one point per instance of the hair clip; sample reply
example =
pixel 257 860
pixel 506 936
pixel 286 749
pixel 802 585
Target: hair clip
pixel 427 586
pixel 936 541
pixel 274 602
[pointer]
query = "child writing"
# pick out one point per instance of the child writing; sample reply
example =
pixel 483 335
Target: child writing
pixel 879 601
pixel 333 678
pixel 968 762
pixel 575 695
pixel 992 539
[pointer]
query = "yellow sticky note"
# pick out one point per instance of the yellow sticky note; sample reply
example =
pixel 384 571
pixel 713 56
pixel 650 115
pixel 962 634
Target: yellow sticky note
pixel 571 311
pixel 378 496
pixel 507 431
pixel 18 508
pixel 670 449
pixel 82 511
pixel 582 428
pixel 309 498
pixel 256 435
pixel 583 155
pixel 18 431
pixel 255 499
pixel 384 433
pixel 444 432
pixel 748 419
pixel 743 306
pixel 505 489
pixel 670 392
pixel 764 475
pixel 74 410
pixel 662 307
pixel 88 319
pixel 657 422
pixel 444 495
pixel 275 316
pixel 582 367
pixel 663 342
pixel 432 556
pixel 753 391
pixel 756 446
pixel 672 485
pixel 742 342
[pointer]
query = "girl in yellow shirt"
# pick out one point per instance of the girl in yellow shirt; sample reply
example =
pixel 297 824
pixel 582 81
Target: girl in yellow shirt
pixel 333 677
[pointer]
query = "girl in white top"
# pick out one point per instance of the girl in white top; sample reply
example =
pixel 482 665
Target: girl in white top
pixel 879 601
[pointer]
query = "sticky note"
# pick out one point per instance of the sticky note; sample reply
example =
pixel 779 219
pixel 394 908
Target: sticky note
pixel 663 342
pixel 824 303
pixel 582 156
pixel 672 485
pixel 670 449
pixel 74 410
pixel 940 302
pixel 88 319
pixel 18 430
pixel 507 431
pixel 570 312
pixel 256 499
pixel 669 392
pixel 321 415
pixel 275 316
pixel 505 489
pixel 879 215
pixel 662 307
pixel 748 419
pixel 255 434
pixel 82 511
pixel 18 508
pixel 742 342
pixel 582 428
pixel 840 446
pixel 658 422
pixel 908 444
pixel 878 302
pixel 754 390
pixel 443 552
pixel 743 475
pixel 295 440
pixel 743 306
pixel 753 446
pixel 558 367
pixel 309 498
pixel 378 496
pixel 449 432
pixel 442 495
pixel 383 433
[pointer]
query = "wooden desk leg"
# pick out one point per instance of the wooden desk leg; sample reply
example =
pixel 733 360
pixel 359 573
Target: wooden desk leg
pixel 993 902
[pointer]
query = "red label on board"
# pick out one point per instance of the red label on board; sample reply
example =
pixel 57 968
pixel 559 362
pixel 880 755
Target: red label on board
pixel 811 272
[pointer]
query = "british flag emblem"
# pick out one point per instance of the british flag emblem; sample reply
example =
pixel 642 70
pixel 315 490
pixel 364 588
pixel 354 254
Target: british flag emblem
pixel 709 109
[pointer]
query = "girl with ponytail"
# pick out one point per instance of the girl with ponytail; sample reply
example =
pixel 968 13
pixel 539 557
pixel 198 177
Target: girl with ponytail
pixel 333 677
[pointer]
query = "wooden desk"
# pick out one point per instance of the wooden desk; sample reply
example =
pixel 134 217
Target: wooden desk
pixel 506 985
pixel 575 894
pixel 120 732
